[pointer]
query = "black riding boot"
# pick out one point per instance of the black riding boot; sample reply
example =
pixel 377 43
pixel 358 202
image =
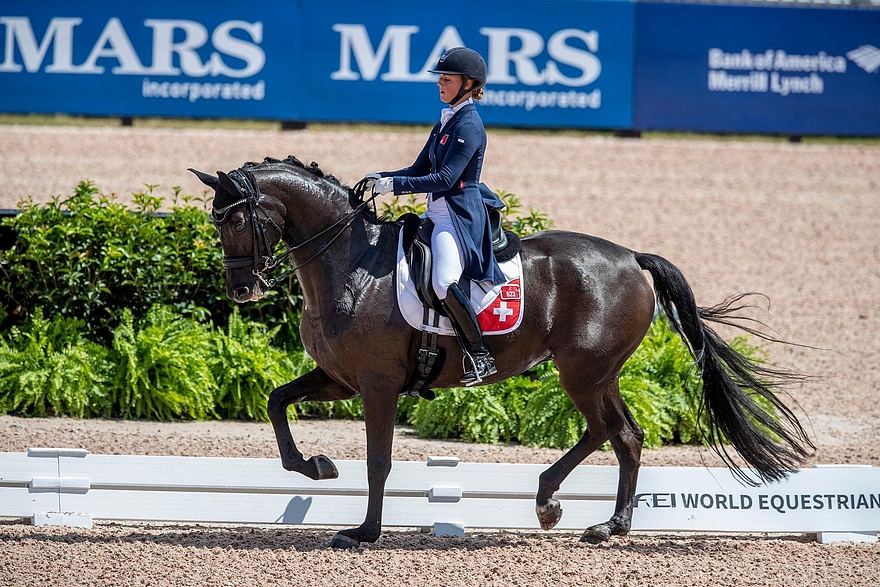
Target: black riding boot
pixel 478 363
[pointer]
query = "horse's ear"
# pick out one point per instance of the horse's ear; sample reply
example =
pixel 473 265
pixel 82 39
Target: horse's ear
pixel 227 183
pixel 208 180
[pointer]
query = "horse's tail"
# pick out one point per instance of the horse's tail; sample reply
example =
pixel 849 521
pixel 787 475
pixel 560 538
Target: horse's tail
pixel 774 447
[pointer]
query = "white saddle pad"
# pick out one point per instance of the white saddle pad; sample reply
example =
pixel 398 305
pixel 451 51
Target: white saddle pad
pixel 499 308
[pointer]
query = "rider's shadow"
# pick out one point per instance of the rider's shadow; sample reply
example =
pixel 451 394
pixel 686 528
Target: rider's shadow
pixel 296 510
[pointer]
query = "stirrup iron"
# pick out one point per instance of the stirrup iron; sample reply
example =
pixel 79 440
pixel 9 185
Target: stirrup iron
pixel 476 368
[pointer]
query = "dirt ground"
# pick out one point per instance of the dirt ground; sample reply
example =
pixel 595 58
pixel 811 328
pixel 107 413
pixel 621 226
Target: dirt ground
pixel 797 222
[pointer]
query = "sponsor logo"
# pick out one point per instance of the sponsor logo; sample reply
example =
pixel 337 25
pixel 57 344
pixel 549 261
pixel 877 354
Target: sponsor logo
pixel 772 71
pixel 170 38
pixel 231 50
pixel 569 58
pixel 781 503
pixel 509 48
pixel 867 57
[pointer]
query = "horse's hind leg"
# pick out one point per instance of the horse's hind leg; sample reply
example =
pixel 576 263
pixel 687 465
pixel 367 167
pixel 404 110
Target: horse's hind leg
pixel 313 386
pixel 627 446
pixel 603 422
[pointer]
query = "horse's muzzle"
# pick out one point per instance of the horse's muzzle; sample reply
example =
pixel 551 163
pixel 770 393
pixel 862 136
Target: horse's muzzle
pixel 245 294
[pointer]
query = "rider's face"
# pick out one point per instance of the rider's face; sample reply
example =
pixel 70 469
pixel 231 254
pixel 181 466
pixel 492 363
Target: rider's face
pixel 449 86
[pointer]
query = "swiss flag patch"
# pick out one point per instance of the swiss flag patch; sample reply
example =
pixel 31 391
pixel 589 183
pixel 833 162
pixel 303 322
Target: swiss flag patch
pixel 444 139
pixel 504 312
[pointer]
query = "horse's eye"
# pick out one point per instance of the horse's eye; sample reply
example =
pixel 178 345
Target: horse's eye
pixel 239 226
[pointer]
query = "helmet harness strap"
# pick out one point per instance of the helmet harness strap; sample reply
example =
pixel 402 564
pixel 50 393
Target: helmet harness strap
pixel 464 90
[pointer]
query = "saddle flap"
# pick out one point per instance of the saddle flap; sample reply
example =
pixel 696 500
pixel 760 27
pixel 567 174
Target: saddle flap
pixel 417 249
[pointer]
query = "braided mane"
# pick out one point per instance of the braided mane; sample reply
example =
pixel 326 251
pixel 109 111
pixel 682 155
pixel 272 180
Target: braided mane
pixel 315 170
pixel 292 161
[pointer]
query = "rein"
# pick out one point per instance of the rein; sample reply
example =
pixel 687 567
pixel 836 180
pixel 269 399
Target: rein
pixel 263 265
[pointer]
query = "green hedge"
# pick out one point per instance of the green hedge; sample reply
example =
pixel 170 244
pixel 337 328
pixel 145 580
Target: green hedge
pixel 91 258
pixel 114 312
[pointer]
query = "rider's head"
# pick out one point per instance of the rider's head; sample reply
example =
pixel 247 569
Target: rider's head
pixel 462 74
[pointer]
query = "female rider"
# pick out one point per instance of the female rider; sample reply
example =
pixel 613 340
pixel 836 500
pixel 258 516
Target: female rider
pixel 448 170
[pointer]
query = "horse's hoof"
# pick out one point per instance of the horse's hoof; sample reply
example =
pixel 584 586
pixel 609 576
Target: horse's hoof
pixel 324 468
pixel 596 534
pixel 549 514
pixel 343 542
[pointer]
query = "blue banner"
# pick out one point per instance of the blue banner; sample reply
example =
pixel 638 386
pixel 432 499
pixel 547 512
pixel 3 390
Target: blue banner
pixel 556 63
pixel 553 63
pixel 158 58
pixel 749 69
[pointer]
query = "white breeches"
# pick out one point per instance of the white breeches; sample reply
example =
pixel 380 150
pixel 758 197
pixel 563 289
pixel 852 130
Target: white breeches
pixel 446 248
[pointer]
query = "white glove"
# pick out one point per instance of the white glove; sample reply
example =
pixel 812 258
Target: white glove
pixel 372 176
pixel 383 185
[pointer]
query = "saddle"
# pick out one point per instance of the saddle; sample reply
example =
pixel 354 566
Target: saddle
pixel 417 249
pixel 416 243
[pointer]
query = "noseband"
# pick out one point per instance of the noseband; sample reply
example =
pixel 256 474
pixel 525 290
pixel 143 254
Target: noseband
pixel 263 265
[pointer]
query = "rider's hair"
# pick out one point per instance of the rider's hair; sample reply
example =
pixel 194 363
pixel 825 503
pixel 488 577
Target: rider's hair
pixel 477 94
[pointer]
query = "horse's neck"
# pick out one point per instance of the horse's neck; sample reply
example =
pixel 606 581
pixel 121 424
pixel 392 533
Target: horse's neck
pixel 328 275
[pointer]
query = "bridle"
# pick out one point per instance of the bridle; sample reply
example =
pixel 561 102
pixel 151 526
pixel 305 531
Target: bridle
pixel 264 264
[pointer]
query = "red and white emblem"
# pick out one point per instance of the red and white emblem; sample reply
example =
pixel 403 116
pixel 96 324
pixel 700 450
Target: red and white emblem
pixel 504 312
pixel 444 139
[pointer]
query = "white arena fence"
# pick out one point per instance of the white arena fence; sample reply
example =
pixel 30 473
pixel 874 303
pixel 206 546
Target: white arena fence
pixel 72 487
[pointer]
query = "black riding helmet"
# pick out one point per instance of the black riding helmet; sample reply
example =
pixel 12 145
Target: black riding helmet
pixel 466 62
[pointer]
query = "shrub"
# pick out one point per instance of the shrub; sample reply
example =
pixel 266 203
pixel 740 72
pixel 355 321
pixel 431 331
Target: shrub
pixel 49 368
pixel 164 367
pixel 487 414
pixel 91 257
pixel 247 368
pixel 512 216
pixel 152 286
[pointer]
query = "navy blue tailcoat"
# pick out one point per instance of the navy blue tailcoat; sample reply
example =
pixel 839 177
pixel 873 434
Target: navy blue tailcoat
pixel 449 167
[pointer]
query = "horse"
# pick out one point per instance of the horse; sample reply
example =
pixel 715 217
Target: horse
pixel 589 306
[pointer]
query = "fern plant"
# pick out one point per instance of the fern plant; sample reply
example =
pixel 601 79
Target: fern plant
pixel 489 414
pixel 549 418
pixel 164 367
pixel 247 368
pixel 49 368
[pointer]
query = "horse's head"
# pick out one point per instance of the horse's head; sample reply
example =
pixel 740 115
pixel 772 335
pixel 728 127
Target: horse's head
pixel 249 225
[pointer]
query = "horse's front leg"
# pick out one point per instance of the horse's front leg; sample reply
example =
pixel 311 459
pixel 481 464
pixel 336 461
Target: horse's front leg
pixel 380 412
pixel 313 386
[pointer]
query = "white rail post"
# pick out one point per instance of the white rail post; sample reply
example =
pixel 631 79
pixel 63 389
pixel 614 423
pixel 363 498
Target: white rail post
pixel 60 485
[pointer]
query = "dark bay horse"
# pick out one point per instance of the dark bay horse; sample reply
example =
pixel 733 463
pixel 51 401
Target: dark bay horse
pixel 588 306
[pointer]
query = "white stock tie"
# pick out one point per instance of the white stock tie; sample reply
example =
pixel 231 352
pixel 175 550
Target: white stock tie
pixel 445 115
